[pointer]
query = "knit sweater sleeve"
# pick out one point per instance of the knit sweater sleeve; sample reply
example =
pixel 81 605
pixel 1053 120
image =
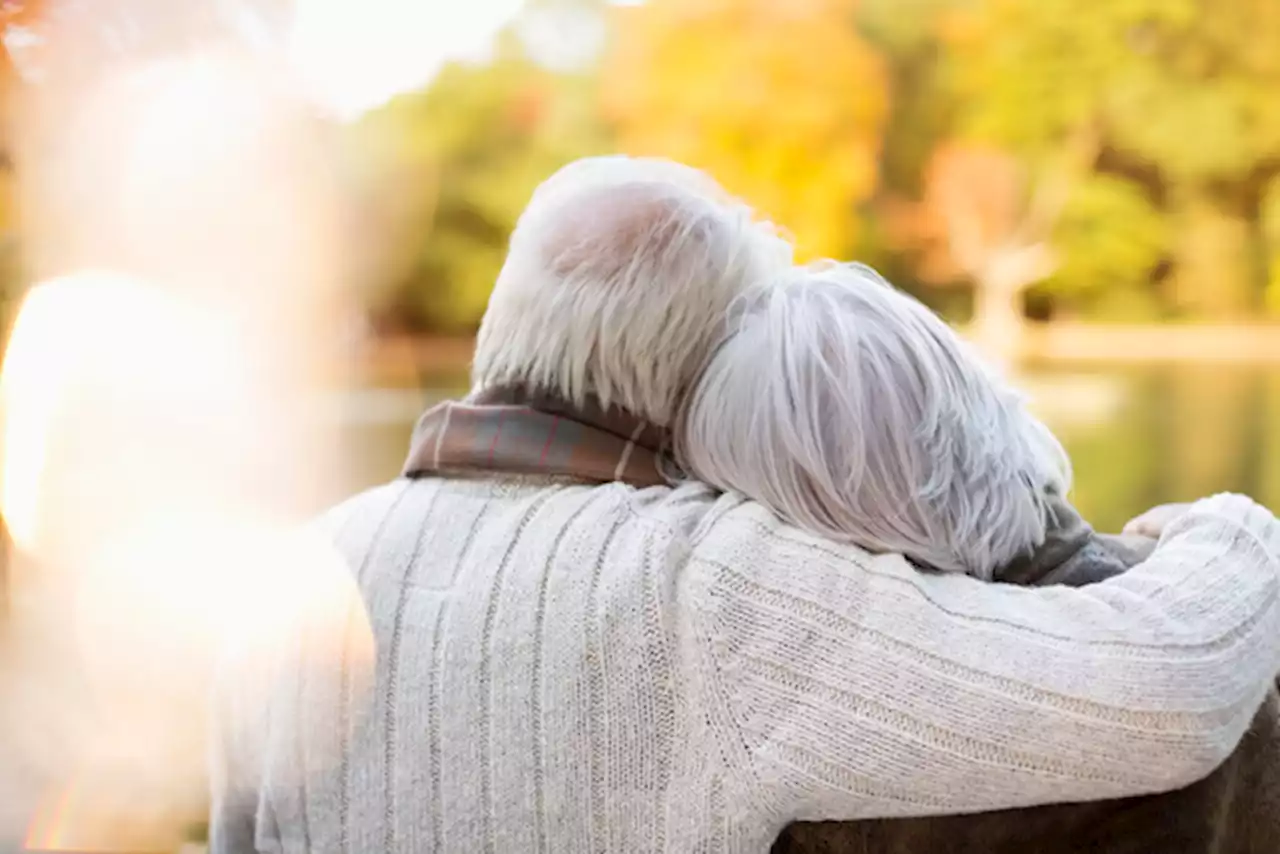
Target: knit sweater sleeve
pixel 846 686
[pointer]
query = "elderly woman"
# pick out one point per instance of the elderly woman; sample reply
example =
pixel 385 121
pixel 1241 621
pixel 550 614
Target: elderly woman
pixel 852 411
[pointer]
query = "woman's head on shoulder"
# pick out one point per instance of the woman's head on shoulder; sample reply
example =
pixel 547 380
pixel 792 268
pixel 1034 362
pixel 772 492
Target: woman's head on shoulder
pixel 852 410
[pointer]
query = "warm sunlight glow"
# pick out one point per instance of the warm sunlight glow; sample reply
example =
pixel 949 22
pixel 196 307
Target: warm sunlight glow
pixel 34 366
pixel 83 346
pixel 355 57
pixel 159 447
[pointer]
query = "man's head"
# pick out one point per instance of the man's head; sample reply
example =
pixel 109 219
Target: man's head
pixel 616 283
pixel 852 410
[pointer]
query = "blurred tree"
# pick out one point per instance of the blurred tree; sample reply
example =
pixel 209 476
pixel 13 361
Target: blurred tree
pixel 1181 93
pixel 1109 240
pixel 978 221
pixel 1271 234
pixel 784 103
pixel 991 220
pixel 447 172
pixel 905 33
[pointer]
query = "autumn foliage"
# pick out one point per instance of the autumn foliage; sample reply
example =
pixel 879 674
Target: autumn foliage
pixel 785 103
pixel 1116 161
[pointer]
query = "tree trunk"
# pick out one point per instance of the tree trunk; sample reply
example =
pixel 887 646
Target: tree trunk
pixel 1220 262
pixel 998 319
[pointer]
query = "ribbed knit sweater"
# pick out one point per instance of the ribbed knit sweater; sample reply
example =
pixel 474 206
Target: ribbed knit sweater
pixel 573 668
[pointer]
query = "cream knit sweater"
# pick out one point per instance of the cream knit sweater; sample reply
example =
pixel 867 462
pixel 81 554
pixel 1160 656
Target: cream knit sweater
pixel 570 668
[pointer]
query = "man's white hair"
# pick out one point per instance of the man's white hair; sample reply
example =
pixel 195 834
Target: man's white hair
pixel 852 410
pixel 616 284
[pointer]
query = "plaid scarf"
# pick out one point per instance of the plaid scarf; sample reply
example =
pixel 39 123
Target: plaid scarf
pixel 511 431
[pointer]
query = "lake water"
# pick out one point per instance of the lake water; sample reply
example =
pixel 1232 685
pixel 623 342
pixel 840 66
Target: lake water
pixel 1137 435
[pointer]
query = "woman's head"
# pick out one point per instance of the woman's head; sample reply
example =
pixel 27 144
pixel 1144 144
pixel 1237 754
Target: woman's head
pixel 853 411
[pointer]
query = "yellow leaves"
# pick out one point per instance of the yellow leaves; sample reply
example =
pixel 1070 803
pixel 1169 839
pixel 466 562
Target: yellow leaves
pixel 782 102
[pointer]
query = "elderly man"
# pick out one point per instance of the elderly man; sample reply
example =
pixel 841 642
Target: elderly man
pixel 573 654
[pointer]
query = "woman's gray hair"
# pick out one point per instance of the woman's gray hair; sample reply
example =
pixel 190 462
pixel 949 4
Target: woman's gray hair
pixel 617 280
pixel 853 411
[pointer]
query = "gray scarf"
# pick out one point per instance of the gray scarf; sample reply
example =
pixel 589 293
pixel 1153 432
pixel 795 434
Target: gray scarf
pixel 1073 554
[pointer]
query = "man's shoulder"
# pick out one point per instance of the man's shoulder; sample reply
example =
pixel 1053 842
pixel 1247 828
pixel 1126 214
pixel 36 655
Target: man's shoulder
pixel 711 524
pixel 378 499
pixel 741 533
pixel 675 512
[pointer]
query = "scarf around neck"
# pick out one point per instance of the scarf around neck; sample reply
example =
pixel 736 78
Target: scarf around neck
pixel 514 432
pixel 505 430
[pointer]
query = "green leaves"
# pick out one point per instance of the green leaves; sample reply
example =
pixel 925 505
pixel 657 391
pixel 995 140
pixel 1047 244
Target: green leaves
pixel 1109 239
pixel 458 164
pixel 1172 80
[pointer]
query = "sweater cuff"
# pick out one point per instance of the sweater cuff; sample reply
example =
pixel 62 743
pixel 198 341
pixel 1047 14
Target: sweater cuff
pixel 1245 513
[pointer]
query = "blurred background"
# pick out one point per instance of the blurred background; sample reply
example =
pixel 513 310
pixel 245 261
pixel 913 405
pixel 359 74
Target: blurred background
pixel 1092 192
